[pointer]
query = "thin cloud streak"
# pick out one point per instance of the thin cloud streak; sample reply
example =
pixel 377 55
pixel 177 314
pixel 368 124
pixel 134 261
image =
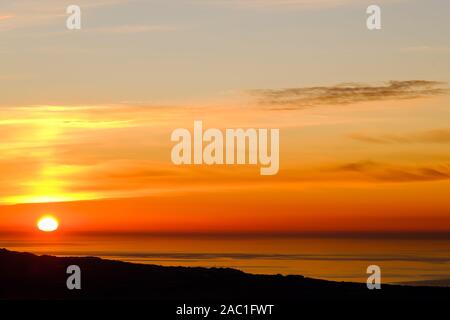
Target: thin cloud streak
pixel 430 136
pixel 39 13
pixel 345 94
pixel 395 173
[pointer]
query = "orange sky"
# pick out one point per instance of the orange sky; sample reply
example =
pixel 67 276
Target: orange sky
pixel 344 167
pixel 86 115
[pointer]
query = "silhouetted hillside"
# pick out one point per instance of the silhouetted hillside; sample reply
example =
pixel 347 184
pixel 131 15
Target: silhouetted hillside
pixel 433 283
pixel 27 276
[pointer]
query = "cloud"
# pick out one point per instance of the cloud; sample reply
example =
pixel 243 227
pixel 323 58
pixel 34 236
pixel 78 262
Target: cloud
pixel 124 177
pixel 357 166
pixel 343 94
pixel 393 173
pixel 430 136
pixel 32 14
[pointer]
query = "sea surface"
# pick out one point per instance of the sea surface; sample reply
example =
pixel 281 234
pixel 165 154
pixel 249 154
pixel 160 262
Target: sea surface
pixel 340 258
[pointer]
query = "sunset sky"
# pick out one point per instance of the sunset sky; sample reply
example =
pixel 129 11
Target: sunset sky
pixel 86 116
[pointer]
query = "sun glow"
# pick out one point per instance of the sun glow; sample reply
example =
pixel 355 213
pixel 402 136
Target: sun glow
pixel 47 224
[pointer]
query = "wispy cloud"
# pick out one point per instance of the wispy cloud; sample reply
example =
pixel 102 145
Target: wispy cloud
pixel 300 98
pixel 357 166
pixel 395 173
pixel 28 13
pixel 430 136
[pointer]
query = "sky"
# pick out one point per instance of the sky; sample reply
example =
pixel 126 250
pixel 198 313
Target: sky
pixel 86 115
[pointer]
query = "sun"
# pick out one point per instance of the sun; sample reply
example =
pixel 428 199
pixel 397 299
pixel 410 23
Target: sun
pixel 47 224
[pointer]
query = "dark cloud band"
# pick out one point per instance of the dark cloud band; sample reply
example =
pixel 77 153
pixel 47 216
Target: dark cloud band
pixel 299 98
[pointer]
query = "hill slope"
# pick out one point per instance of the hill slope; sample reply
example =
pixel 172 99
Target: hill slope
pixel 28 276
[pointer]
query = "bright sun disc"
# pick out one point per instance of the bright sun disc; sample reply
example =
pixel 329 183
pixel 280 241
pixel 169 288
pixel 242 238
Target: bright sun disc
pixel 47 224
